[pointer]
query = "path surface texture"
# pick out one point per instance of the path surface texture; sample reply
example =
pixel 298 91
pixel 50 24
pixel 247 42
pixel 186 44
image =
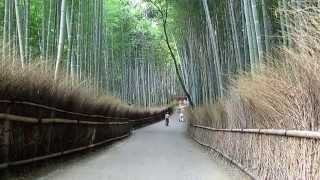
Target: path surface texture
pixel 151 153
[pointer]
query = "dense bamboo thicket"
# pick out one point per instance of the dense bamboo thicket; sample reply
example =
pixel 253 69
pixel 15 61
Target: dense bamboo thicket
pixel 43 116
pixel 244 64
pixel 34 85
pixel 110 46
pixel 282 93
pixel 138 64
pixel 221 39
pixel 66 69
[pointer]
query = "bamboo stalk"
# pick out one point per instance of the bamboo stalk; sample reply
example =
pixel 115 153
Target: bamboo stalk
pixel 6 136
pixel 274 132
pixel 18 24
pixel 68 112
pixel 59 110
pixel 4 165
pixel 63 121
pixel 61 38
pixel 18 118
pixel 11 117
pixel 5 24
pixel 15 163
pixel 243 169
pixel 68 121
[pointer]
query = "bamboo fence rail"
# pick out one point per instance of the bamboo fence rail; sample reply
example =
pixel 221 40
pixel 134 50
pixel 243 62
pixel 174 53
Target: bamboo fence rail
pixel 274 132
pixel 21 162
pixel 265 153
pixel 43 135
pixel 243 169
pixel 68 112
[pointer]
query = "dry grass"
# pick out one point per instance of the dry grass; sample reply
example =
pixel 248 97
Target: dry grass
pixel 282 94
pixel 212 115
pixel 31 140
pixel 267 157
pixel 33 84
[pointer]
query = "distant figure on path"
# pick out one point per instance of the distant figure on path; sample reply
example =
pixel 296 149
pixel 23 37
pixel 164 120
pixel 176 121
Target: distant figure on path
pixel 167 119
pixel 186 103
pixel 181 116
pixel 180 111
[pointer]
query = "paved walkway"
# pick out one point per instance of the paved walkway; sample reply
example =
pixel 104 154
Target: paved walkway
pixel 152 153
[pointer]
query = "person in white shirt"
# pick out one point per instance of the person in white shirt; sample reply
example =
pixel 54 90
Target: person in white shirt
pixel 167 119
pixel 186 103
pixel 181 116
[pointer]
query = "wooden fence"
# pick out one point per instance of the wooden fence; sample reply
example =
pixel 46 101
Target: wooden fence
pixel 265 153
pixel 31 132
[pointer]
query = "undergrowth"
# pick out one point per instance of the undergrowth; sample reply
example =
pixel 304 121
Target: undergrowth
pixel 283 93
pixel 36 85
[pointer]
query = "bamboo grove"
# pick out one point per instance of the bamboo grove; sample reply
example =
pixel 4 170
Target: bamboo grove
pixel 101 43
pixel 219 39
pixel 260 100
pixel 119 46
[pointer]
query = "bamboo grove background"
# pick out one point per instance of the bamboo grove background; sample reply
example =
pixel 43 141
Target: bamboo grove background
pixel 266 103
pixel 223 38
pixel 247 64
pixel 103 44
pixel 118 44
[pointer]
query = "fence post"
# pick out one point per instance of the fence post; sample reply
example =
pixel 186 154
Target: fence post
pixel 6 136
pixel 50 129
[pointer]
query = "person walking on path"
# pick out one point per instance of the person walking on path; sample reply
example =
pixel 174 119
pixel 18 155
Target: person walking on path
pixel 180 112
pixel 167 119
pixel 181 116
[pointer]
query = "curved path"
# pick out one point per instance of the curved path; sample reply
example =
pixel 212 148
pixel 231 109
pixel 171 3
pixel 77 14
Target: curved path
pixel 152 153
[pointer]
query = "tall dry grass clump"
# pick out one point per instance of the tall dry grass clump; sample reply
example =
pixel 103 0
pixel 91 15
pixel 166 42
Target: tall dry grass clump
pixel 43 118
pixel 284 92
pixel 36 85
pixel 212 115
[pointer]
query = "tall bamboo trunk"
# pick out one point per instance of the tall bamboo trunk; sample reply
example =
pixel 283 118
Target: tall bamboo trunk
pixel 214 44
pixel 266 26
pixel 257 29
pixel 235 34
pixel 19 32
pixel 249 34
pixel 26 51
pixel 5 24
pixel 48 36
pixel 61 38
